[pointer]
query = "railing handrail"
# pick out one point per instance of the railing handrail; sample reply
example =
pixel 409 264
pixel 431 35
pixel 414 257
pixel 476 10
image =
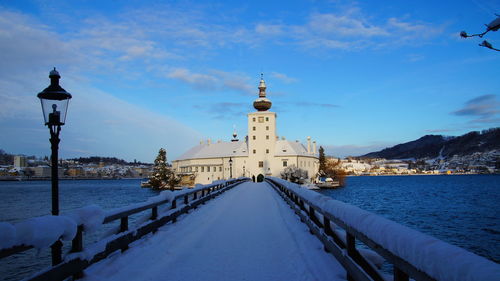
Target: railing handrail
pixel 115 215
pixel 403 269
pixel 207 192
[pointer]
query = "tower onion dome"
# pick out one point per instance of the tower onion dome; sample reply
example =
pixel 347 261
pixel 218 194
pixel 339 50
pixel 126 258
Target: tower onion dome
pixel 262 103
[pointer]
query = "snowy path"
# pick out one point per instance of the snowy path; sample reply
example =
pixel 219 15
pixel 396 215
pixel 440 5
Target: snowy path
pixel 248 233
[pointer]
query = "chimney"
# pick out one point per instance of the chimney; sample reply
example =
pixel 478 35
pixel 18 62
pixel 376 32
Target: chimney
pixel 314 147
pixel 308 145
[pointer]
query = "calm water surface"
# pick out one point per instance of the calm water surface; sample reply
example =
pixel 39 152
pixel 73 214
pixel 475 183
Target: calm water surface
pixel 23 200
pixel 462 210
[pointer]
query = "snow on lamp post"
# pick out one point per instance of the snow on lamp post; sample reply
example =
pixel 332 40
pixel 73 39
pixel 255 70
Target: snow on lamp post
pixel 54 101
pixel 230 168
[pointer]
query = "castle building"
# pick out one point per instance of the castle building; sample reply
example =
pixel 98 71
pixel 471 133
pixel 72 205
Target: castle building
pixel 260 153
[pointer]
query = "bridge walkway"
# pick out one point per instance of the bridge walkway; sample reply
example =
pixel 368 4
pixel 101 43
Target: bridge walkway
pixel 248 233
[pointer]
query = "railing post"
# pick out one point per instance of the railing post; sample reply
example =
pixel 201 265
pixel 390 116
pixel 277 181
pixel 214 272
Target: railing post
pixel 123 224
pixel 77 246
pixel 77 242
pixel 174 205
pixel 400 275
pixel 56 250
pixel 186 199
pixel 154 213
pixel 195 195
pixel 312 216
pixel 351 249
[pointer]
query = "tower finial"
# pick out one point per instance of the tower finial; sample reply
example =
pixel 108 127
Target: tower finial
pixel 262 103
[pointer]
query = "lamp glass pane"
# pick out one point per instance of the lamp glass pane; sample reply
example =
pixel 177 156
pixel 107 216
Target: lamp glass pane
pixel 54 111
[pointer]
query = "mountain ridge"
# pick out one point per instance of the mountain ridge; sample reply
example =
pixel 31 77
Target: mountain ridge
pixel 433 146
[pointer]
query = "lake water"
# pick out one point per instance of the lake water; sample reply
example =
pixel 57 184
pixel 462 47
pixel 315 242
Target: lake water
pixel 462 210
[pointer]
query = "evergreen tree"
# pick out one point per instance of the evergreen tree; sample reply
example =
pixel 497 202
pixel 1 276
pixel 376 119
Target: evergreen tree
pixel 322 161
pixel 162 174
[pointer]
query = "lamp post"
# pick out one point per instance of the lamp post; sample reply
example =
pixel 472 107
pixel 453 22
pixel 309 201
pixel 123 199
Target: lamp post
pixel 54 100
pixel 230 168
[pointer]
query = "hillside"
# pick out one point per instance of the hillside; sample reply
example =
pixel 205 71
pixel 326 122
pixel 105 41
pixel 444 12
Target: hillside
pixel 432 146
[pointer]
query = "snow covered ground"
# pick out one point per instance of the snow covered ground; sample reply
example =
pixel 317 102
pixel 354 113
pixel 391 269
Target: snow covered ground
pixel 248 233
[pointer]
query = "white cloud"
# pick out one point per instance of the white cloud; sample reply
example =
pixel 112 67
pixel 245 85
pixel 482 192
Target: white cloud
pixel 269 29
pixel 344 25
pixel 283 77
pixel 213 80
pixel 28 51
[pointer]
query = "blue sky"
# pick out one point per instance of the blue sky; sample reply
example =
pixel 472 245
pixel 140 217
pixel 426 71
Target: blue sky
pixel 355 76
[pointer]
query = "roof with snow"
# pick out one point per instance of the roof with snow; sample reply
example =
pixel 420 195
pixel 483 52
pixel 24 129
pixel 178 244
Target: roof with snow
pixel 240 148
pixel 291 148
pixel 218 149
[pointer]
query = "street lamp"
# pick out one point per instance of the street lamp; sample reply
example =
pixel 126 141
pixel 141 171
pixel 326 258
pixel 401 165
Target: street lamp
pixel 230 168
pixel 54 101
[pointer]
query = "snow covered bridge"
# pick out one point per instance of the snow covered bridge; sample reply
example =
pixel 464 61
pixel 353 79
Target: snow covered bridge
pixel 252 231
pixel 249 233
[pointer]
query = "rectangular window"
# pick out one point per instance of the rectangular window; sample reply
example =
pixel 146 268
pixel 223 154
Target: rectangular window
pixel 254 151
pixel 220 169
pixel 208 168
pixel 253 119
pixel 267 128
pixel 253 137
pixel 202 169
pixel 261 164
pixel 253 128
pixel 267 118
pixel 267 151
pixel 196 169
pixel 285 163
pixel 267 137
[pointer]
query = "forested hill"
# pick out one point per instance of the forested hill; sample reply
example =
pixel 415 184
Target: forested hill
pixel 432 146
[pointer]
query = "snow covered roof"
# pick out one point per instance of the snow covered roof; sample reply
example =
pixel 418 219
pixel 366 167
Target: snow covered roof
pixel 291 148
pixel 218 149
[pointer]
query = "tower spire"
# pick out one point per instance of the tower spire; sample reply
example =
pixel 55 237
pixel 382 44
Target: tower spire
pixel 262 86
pixel 262 103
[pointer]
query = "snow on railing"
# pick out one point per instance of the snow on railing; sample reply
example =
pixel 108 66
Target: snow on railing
pixel 412 253
pixel 45 231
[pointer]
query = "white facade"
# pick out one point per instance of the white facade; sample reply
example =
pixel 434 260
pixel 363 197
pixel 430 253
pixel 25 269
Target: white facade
pixel 261 152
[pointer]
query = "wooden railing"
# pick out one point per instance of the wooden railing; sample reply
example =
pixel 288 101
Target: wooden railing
pixel 321 224
pixel 75 263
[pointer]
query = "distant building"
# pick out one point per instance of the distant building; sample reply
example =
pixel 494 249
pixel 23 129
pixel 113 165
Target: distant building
pixel 260 153
pixel 20 161
pixel 42 171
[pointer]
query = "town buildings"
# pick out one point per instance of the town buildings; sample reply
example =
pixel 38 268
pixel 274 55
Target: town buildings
pixel 260 153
